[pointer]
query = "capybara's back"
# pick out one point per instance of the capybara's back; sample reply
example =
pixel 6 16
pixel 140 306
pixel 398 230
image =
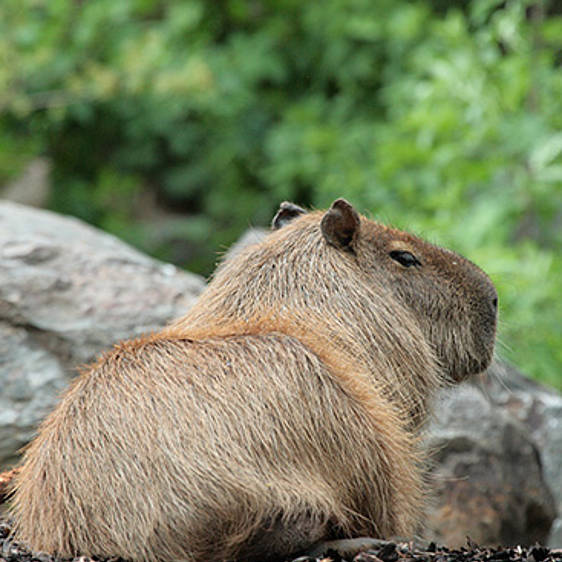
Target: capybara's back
pixel 283 410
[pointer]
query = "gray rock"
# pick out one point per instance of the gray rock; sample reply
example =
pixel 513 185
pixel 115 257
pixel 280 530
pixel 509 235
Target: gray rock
pixel 497 455
pixel 31 377
pixel 32 186
pixel 68 291
pixel 555 537
pixel 251 236
pixel 539 410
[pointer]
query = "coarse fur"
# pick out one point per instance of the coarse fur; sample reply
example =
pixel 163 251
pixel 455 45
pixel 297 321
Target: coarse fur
pixel 282 410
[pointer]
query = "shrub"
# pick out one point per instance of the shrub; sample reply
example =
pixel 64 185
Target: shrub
pixel 441 117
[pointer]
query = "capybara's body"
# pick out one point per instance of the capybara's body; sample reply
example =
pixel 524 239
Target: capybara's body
pixel 281 411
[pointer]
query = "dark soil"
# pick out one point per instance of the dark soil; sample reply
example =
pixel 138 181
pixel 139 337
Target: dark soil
pixel 406 552
pixel 385 551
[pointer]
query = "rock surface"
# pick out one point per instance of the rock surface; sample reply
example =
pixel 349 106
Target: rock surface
pixel 488 476
pixel 32 186
pixel 251 236
pixel 68 291
pixel 539 410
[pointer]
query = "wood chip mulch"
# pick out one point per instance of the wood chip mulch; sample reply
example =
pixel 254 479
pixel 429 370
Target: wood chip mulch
pixel 385 551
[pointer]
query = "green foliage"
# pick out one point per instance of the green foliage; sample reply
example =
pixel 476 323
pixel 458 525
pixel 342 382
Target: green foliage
pixel 444 118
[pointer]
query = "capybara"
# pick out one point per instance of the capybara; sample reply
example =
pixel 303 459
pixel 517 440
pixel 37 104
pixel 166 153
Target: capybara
pixel 284 409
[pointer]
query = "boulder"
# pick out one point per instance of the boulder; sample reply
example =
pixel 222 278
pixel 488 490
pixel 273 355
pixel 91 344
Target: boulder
pixel 251 236
pixel 496 456
pixel 67 292
pixel 539 409
pixel 32 186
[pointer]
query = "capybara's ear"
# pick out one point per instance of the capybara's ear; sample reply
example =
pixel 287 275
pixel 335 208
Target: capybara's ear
pixel 340 225
pixel 286 213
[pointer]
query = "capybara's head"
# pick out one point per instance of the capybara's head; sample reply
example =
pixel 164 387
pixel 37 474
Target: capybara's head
pixel 412 311
pixel 452 300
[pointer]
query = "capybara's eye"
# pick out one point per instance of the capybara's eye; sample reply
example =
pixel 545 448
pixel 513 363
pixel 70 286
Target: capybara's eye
pixel 407 259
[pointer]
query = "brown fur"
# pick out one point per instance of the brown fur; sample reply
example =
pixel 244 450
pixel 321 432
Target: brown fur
pixel 283 409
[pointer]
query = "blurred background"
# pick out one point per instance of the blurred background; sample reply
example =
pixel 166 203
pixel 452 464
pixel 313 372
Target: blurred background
pixel 177 124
